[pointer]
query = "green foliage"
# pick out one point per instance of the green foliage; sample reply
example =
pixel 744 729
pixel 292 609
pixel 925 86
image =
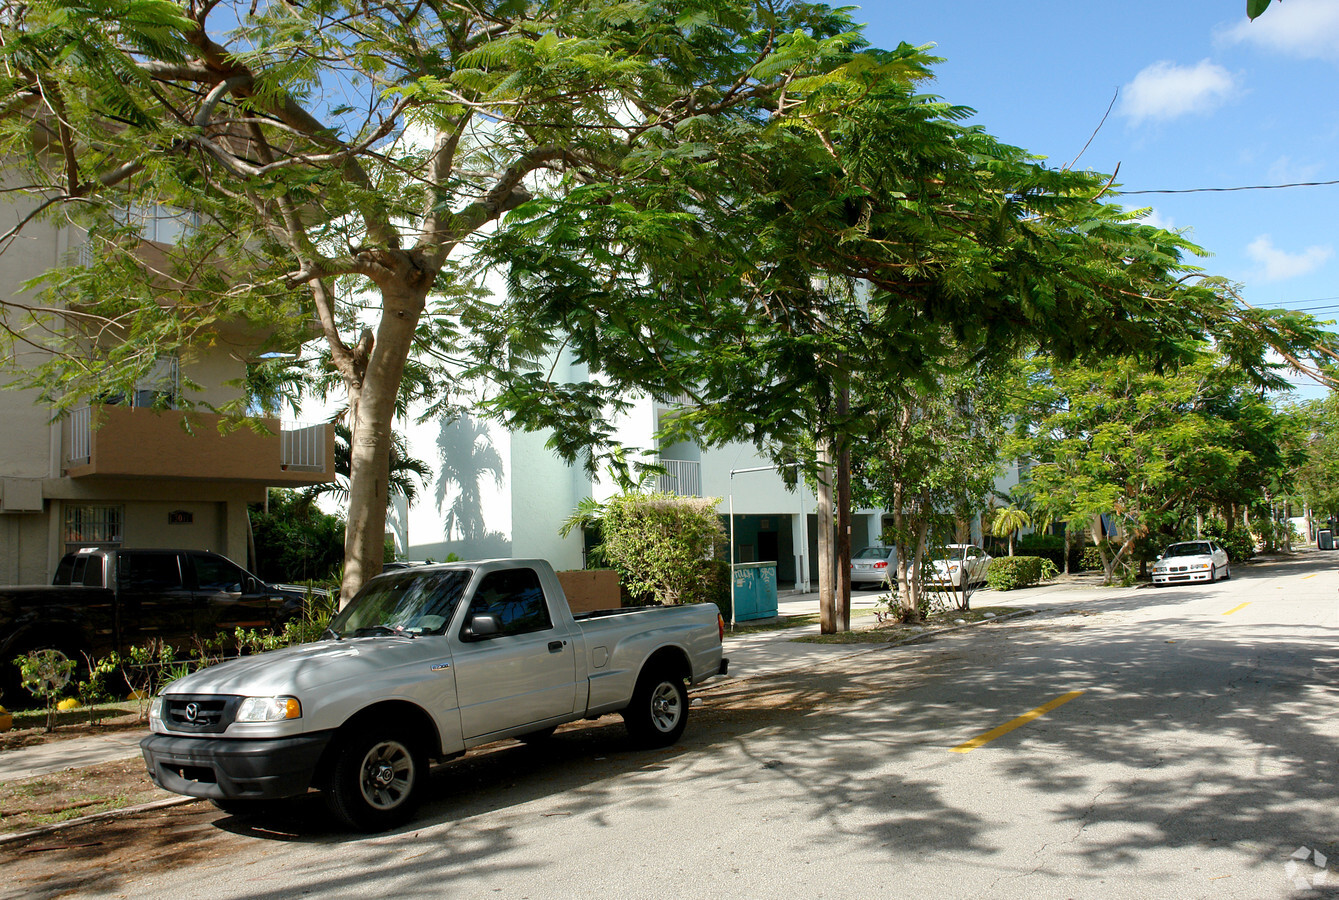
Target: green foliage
pixel 718 588
pixel 1010 572
pixel 1146 448
pixel 147 668
pixel 295 541
pixel 45 674
pixel 1239 543
pixel 1256 8
pixel 682 198
pixel 664 545
pixel 94 689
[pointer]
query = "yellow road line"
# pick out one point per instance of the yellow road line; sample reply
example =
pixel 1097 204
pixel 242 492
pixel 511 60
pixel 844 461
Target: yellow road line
pixel 1238 607
pixel 1010 726
pixel 1312 575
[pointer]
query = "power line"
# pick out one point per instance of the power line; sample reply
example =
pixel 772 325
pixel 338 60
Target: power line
pixel 1222 190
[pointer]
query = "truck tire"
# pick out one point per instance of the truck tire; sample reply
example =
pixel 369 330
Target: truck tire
pixel 658 713
pixel 376 780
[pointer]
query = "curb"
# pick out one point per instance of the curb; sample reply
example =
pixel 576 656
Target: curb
pixel 96 817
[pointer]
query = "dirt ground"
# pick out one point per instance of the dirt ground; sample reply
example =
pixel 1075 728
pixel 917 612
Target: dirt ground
pixel 69 794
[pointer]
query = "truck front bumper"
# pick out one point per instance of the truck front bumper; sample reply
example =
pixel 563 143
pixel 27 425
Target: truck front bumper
pixel 218 769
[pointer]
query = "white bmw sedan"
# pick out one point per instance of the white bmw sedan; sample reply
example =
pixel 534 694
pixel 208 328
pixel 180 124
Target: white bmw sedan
pixel 1191 561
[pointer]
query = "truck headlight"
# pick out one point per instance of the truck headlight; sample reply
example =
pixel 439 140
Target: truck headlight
pixel 269 709
pixel 155 713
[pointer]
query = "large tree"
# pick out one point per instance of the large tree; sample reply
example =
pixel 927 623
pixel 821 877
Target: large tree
pixel 682 193
pixel 1145 450
pixel 341 157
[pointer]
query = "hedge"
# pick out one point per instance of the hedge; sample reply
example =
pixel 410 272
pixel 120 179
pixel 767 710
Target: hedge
pixel 1009 572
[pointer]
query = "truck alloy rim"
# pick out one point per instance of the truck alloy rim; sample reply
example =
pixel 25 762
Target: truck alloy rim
pixel 388 774
pixel 665 707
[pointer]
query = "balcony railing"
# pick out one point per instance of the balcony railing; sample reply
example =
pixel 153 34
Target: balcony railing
pixel 681 477
pixel 79 427
pixel 303 447
pixel 127 442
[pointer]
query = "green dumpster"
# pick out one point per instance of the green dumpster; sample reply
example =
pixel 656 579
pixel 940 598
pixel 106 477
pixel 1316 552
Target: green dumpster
pixel 755 591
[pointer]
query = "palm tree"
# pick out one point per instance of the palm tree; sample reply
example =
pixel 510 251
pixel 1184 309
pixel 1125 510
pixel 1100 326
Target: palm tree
pixel 1007 522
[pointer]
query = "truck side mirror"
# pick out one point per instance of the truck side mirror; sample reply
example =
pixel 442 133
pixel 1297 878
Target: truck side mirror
pixel 479 626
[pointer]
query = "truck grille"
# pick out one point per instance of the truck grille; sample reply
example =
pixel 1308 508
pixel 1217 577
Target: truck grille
pixel 206 715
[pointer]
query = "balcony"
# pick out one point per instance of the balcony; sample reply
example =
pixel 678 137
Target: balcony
pixel 681 477
pixel 131 442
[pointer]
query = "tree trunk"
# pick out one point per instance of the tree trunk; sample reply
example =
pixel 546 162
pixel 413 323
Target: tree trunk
pixel 827 570
pixel 371 422
pixel 843 518
pixel 905 551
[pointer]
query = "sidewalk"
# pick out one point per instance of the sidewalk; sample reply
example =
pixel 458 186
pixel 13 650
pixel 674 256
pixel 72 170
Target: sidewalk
pixel 56 756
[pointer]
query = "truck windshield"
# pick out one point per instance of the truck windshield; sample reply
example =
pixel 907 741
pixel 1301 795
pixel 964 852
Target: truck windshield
pixel 410 602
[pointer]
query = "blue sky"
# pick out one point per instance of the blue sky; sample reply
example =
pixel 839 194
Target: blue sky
pixel 1206 100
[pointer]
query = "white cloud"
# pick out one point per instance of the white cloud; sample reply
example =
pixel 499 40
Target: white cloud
pixel 1278 265
pixel 1165 90
pixel 1284 170
pixel 1304 28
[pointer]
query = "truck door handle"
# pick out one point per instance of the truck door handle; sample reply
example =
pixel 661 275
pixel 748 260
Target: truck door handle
pixel 557 646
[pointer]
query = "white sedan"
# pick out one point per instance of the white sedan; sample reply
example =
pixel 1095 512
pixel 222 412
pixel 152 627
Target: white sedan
pixel 962 562
pixel 1191 561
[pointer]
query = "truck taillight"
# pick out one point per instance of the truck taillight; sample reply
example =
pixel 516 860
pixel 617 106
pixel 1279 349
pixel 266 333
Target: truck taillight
pixel 720 627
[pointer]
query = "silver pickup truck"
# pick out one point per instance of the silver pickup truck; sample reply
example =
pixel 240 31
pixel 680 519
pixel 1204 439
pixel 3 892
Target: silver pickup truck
pixel 422 665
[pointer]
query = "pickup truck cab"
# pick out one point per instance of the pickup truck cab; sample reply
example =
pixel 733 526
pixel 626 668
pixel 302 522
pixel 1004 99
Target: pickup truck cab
pixel 104 600
pixel 423 664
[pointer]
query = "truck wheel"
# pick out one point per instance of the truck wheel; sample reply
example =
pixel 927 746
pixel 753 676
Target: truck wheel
pixel 658 713
pixel 376 780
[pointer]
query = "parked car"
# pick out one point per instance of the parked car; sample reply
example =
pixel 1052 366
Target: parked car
pixel 960 564
pixel 874 565
pixel 423 664
pixel 1191 561
pixel 103 600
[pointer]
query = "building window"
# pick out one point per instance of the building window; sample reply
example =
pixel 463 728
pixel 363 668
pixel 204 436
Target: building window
pixel 160 223
pixel 159 388
pixel 93 526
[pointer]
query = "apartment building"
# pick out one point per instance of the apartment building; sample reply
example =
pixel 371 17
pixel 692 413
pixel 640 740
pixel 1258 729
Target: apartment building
pixel 118 473
pixel 503 493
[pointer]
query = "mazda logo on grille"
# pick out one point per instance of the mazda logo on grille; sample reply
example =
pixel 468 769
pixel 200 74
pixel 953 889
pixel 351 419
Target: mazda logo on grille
pixel 192 712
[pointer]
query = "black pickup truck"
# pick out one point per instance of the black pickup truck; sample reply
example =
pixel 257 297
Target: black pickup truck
pixel 105 600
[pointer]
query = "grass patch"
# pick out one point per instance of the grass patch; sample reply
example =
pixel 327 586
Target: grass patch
pixel 890 632
pixel 784 622
pixel 84 715
pixel 59 797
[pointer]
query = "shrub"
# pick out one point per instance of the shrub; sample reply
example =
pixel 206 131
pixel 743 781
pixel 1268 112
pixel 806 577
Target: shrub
pixel 662 545
pixel 718 588
pixel 1010 572
pixel 1239 543
pixel 44 674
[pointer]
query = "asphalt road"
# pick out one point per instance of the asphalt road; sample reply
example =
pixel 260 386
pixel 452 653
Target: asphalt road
pixel 1178 742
